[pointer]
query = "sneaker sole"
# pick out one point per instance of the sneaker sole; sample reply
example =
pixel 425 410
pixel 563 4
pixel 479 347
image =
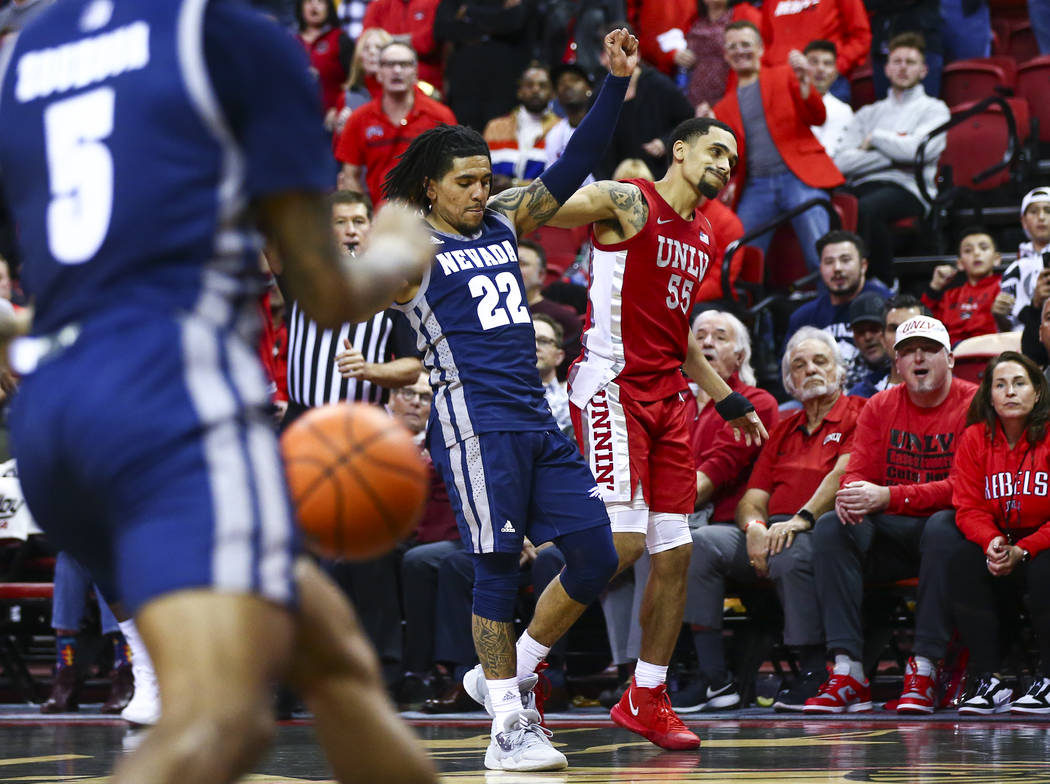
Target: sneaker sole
pixel 969 711
pixel 618 715
pixel 1027 709
pixel 689 708
pixel 721 703
pixel 783 707
pixel 492 762
pixel 856 707
pixel 913 709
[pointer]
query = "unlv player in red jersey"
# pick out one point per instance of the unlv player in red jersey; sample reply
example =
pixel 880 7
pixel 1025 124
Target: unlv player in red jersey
pixel 632 410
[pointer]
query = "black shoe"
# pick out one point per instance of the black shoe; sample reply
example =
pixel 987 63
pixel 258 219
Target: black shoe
pixel 455 700
pixel 793 698
pixel 987 694
pixel 413 692
pixel 121 687
pixel 701 696
pixel 610 697
pixel 1036 699
pixel 63 698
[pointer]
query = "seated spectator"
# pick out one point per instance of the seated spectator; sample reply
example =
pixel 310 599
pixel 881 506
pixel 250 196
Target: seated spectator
pixel 573 89
pixel 965 298
pixel 878 154
pixel 793 482
pixel 549 355
pixel 871 363
pixel 532 260
pixel 705 40
pixel 821 56
pixel 782 165
pixel 1027 280
pixel 378 132
pixel 411 22
pixel 329 48
pixel 362 83
pixel 890 18
pixel 893 519
pixel 1002 510
pixel 652 108
pixel 516 140
pixel 788 25
pixel 897 310
pixel 435 538
pixel 843 269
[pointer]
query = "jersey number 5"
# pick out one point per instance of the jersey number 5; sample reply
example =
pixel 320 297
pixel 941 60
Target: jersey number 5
pixel 679 293
pixel 493 311
pixel 80 172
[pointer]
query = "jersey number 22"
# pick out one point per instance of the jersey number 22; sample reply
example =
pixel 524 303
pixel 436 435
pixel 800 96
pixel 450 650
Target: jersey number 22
pixel 494 310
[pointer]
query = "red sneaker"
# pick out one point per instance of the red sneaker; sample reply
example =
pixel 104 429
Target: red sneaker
pixel 917 696
pixel 840 694
pixel 648 712
pixel 542 690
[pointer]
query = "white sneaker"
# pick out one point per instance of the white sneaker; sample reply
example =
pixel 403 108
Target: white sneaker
pixel 144 707
pixel 524 745
pixel 474 684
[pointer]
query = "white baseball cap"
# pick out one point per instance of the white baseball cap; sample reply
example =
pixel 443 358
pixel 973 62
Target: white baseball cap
pixel 923 327
pixel 1034 196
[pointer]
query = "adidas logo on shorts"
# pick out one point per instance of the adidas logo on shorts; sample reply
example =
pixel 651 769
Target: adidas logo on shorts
pixel 508 528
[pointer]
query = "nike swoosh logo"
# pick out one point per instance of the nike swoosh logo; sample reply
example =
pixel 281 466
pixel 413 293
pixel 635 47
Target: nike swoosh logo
pixel 630 702
pixel 661 221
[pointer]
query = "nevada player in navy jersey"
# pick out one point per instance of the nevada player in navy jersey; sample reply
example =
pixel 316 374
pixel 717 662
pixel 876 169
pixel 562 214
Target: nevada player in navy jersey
pixel 138 157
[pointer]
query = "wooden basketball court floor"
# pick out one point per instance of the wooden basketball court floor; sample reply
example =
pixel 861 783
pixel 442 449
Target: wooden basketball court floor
pixel 752 745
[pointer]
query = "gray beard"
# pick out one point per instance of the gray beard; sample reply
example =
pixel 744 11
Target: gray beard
pixel 806 395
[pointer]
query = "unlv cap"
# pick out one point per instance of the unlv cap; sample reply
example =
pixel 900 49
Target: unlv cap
pixel 923 327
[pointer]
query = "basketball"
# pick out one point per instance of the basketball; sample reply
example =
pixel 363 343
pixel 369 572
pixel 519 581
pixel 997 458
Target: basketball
pixel 357 479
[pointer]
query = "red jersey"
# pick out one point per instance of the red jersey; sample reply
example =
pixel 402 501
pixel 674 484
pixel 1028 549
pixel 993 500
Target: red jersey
pixel 910 449
pixel 371 140
pixel 965 310
pixel 639 298
pixel 793 463
pixel 1002 491
pixel 724 460
pixel 324 58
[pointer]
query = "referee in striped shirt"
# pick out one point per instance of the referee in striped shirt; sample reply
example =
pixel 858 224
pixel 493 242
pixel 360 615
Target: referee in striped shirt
pixel 358 362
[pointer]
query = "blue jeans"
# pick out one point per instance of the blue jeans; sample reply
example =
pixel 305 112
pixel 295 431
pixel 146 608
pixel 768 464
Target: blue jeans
pixel 1039 14
pixel 766 197
pixel 72 583
pixel 965 36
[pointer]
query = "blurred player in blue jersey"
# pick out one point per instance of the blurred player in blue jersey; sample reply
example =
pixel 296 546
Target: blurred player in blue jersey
pixel 137 156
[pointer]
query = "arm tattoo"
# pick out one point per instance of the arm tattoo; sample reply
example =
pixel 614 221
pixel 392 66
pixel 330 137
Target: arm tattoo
pixel 494 642
pixel 630 207
pixel 540 205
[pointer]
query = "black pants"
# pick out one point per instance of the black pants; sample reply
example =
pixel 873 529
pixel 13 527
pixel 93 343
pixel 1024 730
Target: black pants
pixel 880 204
pixel 985 606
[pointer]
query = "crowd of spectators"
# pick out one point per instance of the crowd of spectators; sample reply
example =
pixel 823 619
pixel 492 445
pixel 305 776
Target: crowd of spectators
pixel 822 507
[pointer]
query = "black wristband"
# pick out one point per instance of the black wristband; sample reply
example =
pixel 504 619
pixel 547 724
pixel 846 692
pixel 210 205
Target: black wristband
pixel 807 515
pixel 733 406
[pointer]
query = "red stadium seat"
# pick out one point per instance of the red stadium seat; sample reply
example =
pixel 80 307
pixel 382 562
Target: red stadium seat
pixel 862 87
pixel 1033 84
pixel 973 354
pixel 966 81
pixel 846 206
pixel 979 143
pixel 1017 39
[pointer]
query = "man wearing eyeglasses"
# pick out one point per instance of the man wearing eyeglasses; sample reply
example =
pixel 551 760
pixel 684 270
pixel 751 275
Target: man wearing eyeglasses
pixel 378 132
pixel 549 355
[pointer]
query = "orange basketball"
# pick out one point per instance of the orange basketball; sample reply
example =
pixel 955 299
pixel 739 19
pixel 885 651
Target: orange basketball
pixel 357 479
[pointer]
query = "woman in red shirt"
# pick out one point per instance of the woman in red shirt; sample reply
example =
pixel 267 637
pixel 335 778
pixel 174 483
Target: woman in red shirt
pixel 1001 493
pixel 329 47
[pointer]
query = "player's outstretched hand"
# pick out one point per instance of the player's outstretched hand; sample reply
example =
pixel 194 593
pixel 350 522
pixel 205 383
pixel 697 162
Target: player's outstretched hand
pixel 399 234
pixel 750 428
pixel 622 50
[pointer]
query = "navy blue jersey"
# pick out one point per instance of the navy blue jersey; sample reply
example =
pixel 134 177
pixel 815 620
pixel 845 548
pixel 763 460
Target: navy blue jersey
pixel 130 151
pixel 474 325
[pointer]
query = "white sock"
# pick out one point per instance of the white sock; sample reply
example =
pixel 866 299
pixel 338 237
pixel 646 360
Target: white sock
pixel 923 666
pixel 139 655
pixel 530 654
pixel 844 665
pixel 649 676
pixel 506 699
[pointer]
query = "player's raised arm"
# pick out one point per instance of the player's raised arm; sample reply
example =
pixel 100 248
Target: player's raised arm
pixel 332 289
pixel 535 204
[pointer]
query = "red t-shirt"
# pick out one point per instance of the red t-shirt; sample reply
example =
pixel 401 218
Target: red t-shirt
pixel 724 460
pixel 639 299
pixel 965 310
pixel 791 24
pixel 324 57
pixel 910 449
pixel 727 228
pixel 371 140
pixel 438 523
pixel 793 462
pixel 998 490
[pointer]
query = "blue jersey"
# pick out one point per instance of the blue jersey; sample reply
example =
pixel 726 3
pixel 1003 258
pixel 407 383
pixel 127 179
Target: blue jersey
pixel 130 150
pixel 473 323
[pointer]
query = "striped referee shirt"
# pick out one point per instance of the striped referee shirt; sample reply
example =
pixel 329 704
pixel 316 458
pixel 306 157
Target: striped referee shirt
pixel 314 379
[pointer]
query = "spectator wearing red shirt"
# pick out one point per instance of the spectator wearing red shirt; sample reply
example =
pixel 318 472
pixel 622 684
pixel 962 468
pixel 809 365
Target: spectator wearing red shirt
pixel 793 482
pixel 1002 505
pixel 410 22
pixel 329 48
pixel 965 298
pixel 727 228
pixel 791 24
pixel 893 518
pixel 378 132
pixel 781 162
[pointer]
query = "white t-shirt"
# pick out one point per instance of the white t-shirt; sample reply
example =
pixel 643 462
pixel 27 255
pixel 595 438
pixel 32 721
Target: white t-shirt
pixel 832 132
pixel 555 141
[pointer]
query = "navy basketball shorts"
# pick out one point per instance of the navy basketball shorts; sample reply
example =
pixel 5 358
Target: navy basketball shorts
pixel 508 485
pixel 144 450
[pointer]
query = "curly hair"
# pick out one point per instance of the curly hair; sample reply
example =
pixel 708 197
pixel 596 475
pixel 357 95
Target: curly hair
pixel 430 157
pixel 982 410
